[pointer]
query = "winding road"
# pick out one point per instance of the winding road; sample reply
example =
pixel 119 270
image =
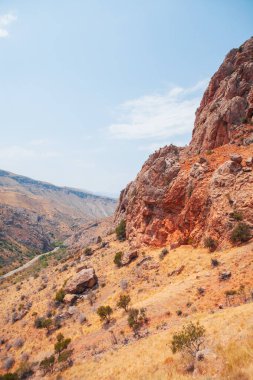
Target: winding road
pixel 27 265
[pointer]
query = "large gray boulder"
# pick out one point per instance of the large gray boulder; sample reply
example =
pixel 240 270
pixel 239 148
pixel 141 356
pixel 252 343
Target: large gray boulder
pixel 83 280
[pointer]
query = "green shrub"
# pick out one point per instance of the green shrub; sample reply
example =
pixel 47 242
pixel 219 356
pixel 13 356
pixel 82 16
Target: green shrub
pixel 88 251
pixel 236 215
pixel 9 376
pixel 61 343
pixel 117 259
pixel 104 313
pixel 189 339
pixel 136 318
pixel 121 230
pixel 47 364
pixel 43 323
pixel 99 240
pixel 124 301
pixel 65 355
pixel 59 297
pixel 210 243
pixel 241 233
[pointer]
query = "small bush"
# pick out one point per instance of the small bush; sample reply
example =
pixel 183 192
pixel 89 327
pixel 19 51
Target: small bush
pixel 105 313
pixel 236 215
pixel 117 259
pixel 189 339
pixel 230 293
pixel 61 343
pixel 64 356
pixel 214 263
pixel 9 376
pixel 179 313
pixel 99 240
pixel 121 230
pixel 136 318
pixel 24 371
pixel 47 364
pixel 241 233
pixel 210 243
pixel 88 251
pixel 59 297
pixel 163 253
pixel 124 301
pixel 43 323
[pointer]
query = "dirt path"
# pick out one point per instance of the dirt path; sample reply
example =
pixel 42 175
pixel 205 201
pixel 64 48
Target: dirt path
pixel 27 265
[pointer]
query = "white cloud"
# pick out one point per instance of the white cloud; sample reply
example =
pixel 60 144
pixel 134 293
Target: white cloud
pixel 17 152
pixel 5 21
pixel 159 115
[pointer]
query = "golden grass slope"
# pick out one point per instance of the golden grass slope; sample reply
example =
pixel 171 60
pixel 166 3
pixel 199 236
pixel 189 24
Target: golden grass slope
pixel 96 355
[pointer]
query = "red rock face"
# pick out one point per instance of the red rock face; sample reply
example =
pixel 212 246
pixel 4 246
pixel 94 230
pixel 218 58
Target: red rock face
pixel 184 195
pixel 227 103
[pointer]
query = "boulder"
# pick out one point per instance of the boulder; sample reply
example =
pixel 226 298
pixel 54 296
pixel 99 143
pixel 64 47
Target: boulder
pixel 82 281
pixel 70 299
pixel 249 161
pixel 236 158
pixel 127 257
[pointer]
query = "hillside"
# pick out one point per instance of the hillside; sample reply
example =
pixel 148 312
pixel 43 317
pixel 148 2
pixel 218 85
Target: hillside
pixel 168 293
pixel 36 214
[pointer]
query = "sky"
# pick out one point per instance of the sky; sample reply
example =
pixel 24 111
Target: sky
pixel 90 88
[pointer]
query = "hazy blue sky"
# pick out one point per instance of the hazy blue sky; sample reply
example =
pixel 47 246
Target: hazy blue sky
pixel 89 88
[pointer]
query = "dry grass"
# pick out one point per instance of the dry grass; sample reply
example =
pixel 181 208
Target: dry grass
pixel 95 356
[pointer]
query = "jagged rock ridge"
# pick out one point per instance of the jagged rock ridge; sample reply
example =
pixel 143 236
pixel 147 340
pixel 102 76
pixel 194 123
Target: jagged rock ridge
pixel 186 194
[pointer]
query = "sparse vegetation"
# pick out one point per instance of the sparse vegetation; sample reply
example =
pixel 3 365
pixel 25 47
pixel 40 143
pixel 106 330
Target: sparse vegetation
pixel 121 230
pixel 117 259
pixel 136 319
pixel 59 297
pixel 236 215
pixel 47 364
pixel 43 323
pixel 190 339
pixel 105 313
pixel 214 263
pixel 124 301
pixel 163 253
pixel 210 243
pixel 241 233
pixel 61 344
pixel 88 251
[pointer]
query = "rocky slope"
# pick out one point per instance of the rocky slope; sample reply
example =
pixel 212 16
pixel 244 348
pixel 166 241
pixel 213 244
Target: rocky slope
pixel 34 214
pixel 189 194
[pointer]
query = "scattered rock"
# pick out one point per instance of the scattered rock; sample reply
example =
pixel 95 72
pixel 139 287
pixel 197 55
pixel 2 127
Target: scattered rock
pixel 123 284
pixel 249 161
pixel 176 271
pixel 224 276
pixel 236 158
pixel 82 281
pixel 127 257
pixel 70 299
pixel 8 363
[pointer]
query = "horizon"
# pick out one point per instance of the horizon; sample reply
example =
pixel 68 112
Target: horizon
pixel 90 90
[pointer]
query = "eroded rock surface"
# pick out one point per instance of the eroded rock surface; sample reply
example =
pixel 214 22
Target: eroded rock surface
pixel 183 195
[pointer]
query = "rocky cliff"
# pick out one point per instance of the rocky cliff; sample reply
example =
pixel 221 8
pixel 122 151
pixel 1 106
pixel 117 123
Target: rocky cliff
pixel 185 195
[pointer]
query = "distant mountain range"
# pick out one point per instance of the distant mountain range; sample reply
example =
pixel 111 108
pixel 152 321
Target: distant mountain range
pixel 35 214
